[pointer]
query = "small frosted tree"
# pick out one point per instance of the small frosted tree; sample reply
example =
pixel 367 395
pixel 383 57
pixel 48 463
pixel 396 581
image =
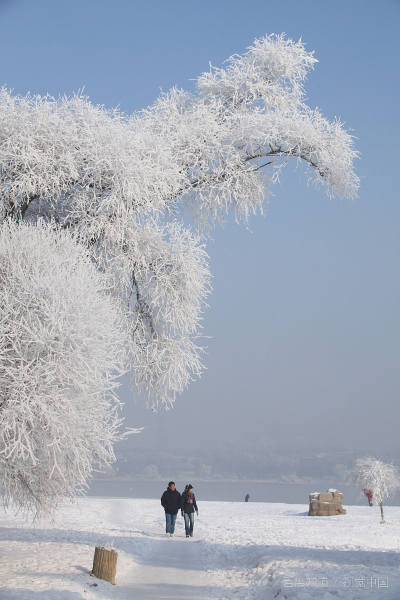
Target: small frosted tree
pixel 204 471
pixel 151 472
pixel 123 188
pixel 381 478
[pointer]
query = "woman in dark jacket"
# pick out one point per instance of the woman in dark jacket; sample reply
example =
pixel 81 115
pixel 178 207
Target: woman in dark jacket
pixel 188 507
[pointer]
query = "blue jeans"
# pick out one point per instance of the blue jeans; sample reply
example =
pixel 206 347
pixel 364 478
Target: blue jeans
pixel 170 522
pixel 189 522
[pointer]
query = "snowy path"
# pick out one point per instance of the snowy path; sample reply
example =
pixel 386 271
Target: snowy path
pixel 175 570
pixel 172 567
pixel 239 552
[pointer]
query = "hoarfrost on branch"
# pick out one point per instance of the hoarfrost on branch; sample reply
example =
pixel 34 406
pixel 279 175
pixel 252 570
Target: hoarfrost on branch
pixel 60 355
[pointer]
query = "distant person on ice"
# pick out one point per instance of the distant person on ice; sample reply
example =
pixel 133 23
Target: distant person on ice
pixel 188 507
pixel 171 502
pixel 247 497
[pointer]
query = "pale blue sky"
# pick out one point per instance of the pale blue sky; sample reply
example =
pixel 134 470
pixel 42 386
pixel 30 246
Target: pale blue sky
pixel 304 317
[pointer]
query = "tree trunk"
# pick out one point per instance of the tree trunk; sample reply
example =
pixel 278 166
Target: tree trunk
pixel 383 518
pixel 105 564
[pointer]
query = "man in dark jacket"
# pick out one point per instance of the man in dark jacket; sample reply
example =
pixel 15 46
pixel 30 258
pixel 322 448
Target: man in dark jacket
pixel 188 507
pixel 171 502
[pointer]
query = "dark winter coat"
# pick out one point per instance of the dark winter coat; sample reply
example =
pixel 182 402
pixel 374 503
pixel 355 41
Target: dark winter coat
pixel 188 502
pixel 171 501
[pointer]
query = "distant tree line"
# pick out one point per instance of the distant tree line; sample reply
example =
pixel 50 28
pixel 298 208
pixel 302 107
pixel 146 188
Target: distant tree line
pixel 232 461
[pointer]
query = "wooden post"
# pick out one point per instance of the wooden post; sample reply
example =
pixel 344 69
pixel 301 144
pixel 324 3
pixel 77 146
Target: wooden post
pixel 105 564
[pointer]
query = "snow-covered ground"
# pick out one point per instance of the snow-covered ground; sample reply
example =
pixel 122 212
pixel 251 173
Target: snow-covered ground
pixel 239 551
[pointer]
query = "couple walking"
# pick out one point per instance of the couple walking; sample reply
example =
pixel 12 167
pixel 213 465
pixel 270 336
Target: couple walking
pixel 172 501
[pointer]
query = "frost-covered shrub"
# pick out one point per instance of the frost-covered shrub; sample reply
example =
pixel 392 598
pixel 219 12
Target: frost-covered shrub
pixel 381 478
pixel 60 350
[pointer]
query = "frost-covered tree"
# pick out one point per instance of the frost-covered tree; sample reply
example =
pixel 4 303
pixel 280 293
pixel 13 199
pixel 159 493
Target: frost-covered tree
pixel 151 472
pixel 381 478
pixel 125 187
pixel 122 184
pixel 60 353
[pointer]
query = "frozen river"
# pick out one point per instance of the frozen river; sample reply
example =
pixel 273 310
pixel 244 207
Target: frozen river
pixel 290 493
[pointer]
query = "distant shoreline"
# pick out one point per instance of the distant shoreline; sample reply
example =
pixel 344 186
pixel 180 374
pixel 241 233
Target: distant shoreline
pixel 216 481
pixel 288 492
